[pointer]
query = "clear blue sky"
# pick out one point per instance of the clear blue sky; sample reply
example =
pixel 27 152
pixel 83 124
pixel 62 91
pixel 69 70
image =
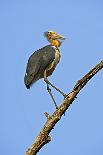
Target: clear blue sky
pixel 22 24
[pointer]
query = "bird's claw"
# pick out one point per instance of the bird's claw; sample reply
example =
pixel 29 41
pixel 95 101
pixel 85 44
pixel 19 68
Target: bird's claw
pixel 65 95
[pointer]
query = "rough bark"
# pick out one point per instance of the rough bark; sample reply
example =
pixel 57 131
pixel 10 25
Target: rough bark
pixel 43 136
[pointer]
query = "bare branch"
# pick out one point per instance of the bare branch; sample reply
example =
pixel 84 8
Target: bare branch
pixel 43 136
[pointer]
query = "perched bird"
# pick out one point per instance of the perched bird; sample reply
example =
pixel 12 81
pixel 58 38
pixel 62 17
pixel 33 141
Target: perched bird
pixel 42 62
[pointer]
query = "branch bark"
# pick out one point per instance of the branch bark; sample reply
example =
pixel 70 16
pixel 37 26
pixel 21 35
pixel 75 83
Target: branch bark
pixel 43 136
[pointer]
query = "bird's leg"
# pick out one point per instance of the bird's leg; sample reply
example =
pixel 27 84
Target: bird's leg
pixel 50 93
pixel 49 83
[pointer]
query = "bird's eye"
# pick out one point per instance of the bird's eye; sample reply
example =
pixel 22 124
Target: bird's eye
pixel 49 33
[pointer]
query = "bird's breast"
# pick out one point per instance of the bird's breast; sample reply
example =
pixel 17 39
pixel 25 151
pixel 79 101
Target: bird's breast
pixel 53 64
pixel 57 56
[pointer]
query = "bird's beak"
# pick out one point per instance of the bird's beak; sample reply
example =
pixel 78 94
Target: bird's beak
pixel 53 35
pixel 58 36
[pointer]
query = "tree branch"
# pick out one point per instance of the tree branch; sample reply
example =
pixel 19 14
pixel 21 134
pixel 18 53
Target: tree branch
pixel 43 136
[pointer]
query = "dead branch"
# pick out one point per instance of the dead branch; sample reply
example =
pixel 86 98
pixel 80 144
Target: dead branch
pixel 43 136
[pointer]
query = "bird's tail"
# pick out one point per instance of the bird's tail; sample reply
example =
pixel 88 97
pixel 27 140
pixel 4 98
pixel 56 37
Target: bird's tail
pixel 29 80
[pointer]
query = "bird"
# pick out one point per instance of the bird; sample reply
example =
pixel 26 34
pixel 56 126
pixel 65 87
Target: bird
pixel 43 62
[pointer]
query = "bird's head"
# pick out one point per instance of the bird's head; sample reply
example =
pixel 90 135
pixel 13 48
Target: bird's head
pixel 54 38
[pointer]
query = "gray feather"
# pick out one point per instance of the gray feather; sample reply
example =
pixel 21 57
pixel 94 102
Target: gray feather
pixel 37 63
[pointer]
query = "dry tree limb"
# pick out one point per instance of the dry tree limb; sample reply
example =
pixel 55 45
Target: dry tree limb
pixel 43 136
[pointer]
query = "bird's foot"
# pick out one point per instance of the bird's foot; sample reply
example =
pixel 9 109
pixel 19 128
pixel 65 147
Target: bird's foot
pixel 64 95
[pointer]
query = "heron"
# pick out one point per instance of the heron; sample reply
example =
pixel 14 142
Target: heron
pixel 43 62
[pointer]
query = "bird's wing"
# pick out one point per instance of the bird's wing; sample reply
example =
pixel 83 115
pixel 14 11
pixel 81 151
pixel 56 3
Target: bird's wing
pixel 48 56
pixel 40 59
pixel 38 62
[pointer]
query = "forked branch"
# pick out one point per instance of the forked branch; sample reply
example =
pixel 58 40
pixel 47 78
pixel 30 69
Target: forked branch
pixel 43 136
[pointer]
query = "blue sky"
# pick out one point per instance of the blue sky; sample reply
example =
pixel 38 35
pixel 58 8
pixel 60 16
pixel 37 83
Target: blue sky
pixel 22 24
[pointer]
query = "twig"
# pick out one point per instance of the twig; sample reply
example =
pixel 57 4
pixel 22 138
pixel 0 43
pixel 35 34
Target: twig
pixel 43 136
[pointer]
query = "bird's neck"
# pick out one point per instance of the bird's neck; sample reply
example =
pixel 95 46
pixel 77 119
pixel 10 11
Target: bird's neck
pixel 55 42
